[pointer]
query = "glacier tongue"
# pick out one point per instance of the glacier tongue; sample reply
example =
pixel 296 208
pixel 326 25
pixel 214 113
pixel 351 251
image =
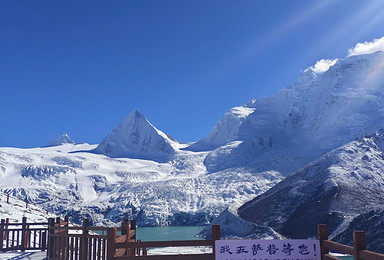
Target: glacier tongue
pixel 136 137
pixel 68 180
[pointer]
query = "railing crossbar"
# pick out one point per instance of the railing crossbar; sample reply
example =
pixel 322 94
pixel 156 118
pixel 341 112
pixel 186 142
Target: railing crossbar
pixel 338 247
pixel 369 255
pixel 148 244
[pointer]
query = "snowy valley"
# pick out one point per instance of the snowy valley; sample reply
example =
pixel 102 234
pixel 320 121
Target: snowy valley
pixel 70 179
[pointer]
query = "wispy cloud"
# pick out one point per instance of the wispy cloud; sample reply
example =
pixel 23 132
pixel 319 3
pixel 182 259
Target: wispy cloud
pixel 359 49
pixel 322 65
pixel 367 47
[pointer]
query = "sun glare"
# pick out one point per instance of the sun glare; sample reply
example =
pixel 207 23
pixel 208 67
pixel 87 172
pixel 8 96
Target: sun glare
pixel 350 30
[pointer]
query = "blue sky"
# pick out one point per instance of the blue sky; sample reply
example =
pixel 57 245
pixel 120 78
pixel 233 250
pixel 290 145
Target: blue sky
pixel 79 67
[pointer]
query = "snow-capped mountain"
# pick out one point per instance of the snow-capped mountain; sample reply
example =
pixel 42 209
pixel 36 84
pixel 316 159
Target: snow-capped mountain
pixel 226 130
pixel 136 137
pixel 317 113
pixel 333 189
pixel 61 139
pixel 139 171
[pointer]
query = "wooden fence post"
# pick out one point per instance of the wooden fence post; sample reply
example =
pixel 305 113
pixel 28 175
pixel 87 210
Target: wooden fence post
pixel 6 227
pixel 2 232
pixel 66 220
pixel 66 225
pixel 133 227
pixel 84 240
pixel 27 237
pixel 58 244
pixel 50 246
pixel 215 236
pixel 125 231
pixel 322 231
pixel 23 233
pixel 124 226
pixel 58 220
pixel 110 243
pixel 359 243
pixel 43 241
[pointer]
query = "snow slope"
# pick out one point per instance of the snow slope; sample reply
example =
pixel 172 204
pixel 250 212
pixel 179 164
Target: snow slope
pixel 333 189
pixel 317 113
pixel 225 131
pixel 16 209
pixel 234 227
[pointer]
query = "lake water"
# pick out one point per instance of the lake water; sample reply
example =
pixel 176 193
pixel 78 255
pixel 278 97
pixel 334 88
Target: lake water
pixel 346 257
pixel 168 233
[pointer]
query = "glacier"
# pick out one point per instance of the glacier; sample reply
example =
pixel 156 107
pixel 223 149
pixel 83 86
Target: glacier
pixel 69 180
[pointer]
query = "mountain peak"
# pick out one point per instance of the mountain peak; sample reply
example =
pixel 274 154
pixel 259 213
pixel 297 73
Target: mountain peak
pixel 61 139
pixel 136 137
pixel 135 113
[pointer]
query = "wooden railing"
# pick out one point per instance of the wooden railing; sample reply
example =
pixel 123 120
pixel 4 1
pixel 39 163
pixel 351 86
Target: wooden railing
pixel 358 250
pixel 84 242
pixel 23 236
pixel 101 243
pixel 142 246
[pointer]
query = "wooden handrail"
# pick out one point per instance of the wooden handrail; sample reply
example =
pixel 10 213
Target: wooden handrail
pixel 358 251
pixel 338 247
pixel 330 257
pixel 169 257
pixel 368 255
pixel 78 228
pixel 31 224
pixel 29 229
pixel 98 228
pixel 78 235
pixel 147 244
pixel 38 224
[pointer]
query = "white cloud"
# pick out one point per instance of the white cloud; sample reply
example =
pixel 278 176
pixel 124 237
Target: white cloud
pixel 367 47
pixel 322 65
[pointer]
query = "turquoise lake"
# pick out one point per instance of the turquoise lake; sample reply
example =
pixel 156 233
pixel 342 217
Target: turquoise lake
pixel 168 233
